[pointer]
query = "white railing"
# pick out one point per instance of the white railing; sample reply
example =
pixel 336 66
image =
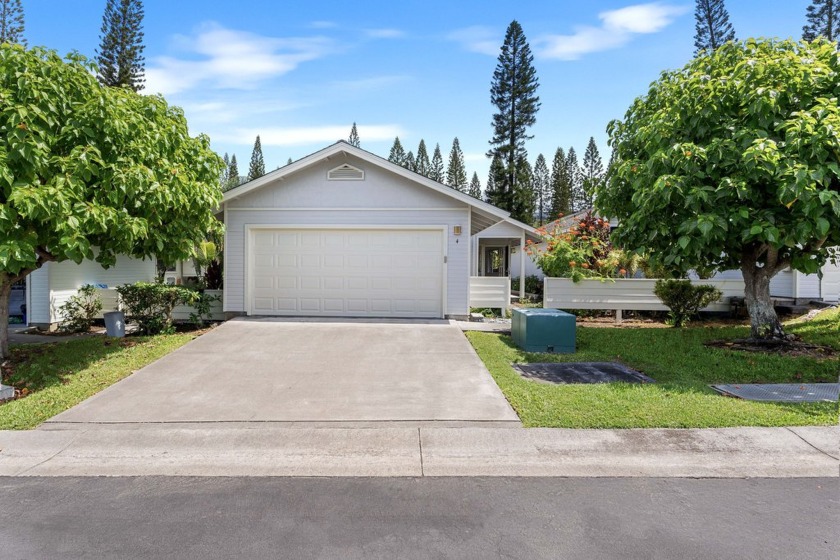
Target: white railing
pixel 490 291
pixel 624 294
pixel 111 302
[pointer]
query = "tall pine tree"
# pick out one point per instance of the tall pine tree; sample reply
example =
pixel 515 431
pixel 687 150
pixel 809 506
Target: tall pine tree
pixel 592 172
pixel 514 94
pixel 437 173
pixel 422 165
pixel 223 176
pixel 575 176
pixel 120 54
pixel 353 139
pixel 257 167
pixel 561 187
pixel 541 185
pixel 12 22
pixel 495 181
pixel 409 162
pixel 523 206
pixel 711 25
pixel 456 172
pixel 823 20
pixel 233 173
pixel 475 187
pixel 397 154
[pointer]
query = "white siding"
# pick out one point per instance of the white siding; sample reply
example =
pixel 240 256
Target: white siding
pixel 38 288
pixel 68 275
pixel 531 268
pixel 490 291
pixel 502 229
pixel 781 285
pixel 830 290
pixel 382 199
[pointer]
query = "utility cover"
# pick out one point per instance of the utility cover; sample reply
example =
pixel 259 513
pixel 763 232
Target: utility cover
pixel 782 392
pixel 581 372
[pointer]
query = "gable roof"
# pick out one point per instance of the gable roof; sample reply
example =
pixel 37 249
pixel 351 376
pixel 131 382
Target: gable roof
pixel 342 147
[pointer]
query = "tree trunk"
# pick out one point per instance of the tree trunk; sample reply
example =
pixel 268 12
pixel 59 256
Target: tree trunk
pixel 764 322
pixel 5 294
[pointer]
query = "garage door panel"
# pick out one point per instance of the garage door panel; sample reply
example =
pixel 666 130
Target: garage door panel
pixel 347 272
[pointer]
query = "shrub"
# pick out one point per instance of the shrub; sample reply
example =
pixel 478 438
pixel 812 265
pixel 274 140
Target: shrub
pixel 533 284
pixel 80 310
pixel 201 315
pixel 151 305
pixel 684 299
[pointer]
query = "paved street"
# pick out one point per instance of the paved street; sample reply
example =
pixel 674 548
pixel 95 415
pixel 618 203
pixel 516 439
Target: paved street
pixel 476 518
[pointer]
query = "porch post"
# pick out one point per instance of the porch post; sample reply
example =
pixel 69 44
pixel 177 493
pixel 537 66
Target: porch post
pixel 522 266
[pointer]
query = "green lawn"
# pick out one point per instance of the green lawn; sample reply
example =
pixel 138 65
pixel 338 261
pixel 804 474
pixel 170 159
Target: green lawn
pixel 61 375
pixel 683 369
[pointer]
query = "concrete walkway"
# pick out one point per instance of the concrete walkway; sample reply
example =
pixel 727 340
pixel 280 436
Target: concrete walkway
pixel 349 373
pixel 220 450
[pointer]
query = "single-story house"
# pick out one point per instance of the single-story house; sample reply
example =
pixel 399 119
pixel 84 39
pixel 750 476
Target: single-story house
pixel 341 232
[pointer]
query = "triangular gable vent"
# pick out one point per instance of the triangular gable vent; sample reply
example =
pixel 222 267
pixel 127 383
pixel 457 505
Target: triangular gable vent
pixel 346 172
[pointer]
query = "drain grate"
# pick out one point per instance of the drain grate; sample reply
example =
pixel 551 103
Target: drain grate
pixel 581 372
pixel 782 392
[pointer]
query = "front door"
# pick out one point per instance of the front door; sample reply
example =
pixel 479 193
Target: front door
pixel 495 261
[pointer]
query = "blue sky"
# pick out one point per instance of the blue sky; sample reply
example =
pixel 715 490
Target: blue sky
pixel 299 73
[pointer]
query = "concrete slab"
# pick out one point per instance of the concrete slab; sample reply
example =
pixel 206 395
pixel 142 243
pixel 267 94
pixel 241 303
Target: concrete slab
pixel 728 452
pixel 168 451
pixel 824 438
pixel 309 371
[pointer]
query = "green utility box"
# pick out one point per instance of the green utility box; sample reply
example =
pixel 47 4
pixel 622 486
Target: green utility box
pixel 543 330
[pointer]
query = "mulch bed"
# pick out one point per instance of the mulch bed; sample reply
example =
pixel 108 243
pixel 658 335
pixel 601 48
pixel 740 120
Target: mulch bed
pixel 793 347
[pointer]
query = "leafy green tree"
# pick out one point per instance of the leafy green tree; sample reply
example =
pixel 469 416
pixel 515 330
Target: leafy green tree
pixel 513 92
pixel 592 172
pixel 12 22
pixel 353 139
pixel 421 161
pixel 257 167
pixel 288 162
pixel 712 27
pixel 397 154
pixel 233 173
pixel 541 186
pixel 436 173
pixel 409 162
pixel 823 20
pixel 561 187
pixel 85 175
pixel 475 187
pixel 120 54
pixel 575 178
pixel 717 168
pixel 456 171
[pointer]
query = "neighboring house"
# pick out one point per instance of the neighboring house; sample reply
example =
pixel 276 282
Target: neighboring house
pixel 49 287
pixel 343 232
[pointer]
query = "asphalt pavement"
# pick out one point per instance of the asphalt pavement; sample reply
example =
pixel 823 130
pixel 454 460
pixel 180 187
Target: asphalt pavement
pixel 423 518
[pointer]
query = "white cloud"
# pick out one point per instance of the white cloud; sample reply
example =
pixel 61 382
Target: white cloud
pixel 323 24
pixel 302 136
pixel 375 83
pixel 384 33
pixel 641 18
pixel 479 39
pixel 617 29
pixel 222 58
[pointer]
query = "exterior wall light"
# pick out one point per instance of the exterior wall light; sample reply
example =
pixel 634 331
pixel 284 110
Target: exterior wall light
pixel 456 230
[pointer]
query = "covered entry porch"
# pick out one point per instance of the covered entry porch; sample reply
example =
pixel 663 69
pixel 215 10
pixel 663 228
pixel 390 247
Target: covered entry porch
pixel 498 254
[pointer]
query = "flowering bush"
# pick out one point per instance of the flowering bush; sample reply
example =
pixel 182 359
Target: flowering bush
pixel 582 251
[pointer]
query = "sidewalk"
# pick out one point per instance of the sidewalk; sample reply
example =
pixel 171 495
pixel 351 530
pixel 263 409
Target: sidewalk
pixel 271 449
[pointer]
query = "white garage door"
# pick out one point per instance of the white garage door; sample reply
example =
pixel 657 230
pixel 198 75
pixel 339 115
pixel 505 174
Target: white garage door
pixel 351 273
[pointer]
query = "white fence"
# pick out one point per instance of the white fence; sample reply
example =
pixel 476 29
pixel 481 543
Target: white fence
pixel 624 294
pixel 111 302
pixel 490 291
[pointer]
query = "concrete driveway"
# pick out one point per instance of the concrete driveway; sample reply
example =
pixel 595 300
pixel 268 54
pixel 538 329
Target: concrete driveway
pixel 313 372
